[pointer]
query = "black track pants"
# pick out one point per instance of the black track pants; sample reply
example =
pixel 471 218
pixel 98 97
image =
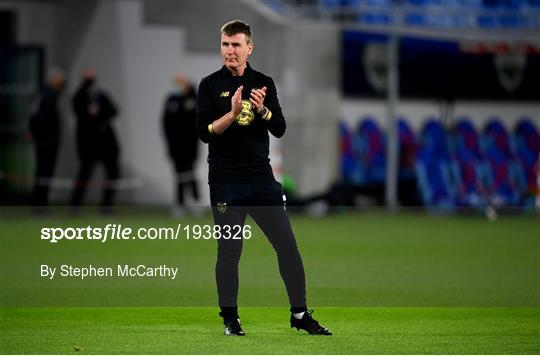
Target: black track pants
pixel 263 201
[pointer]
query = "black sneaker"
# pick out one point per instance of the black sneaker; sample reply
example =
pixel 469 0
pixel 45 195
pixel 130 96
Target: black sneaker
pixel 309 324
pixel 234 328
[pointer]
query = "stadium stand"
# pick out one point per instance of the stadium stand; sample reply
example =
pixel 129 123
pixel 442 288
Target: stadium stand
pixel 449 169
pixel 461 14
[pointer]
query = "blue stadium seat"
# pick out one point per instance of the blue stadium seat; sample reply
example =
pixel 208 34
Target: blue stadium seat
pixel 453 3
pixel 534 3
pixel 477 4
pixel 373 18
pixel 415 19
pixel 507 180
pixel 491 4
pixel 435 174
pixel 408 193
pixel 434 135
pixel 468 137
pixel 408 148
pixel 382 3
pixel 511 21
pixel 350 167
pixel 513 4
pixel 528 150
pixel 423 2
pixel 471 164
pixel 371 149
pixel 331 4
pixel 496 132
pixel 487 21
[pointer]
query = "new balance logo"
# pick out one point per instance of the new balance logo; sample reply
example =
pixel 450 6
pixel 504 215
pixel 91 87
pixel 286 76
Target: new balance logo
pixel 224 94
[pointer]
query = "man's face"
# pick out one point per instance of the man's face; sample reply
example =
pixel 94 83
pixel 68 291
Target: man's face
pixel 89 73
pixel 235 50
pixel 57 82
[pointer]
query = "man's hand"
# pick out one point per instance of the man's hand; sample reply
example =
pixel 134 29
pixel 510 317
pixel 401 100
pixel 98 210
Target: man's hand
pixel 220 125
pixel 236 101
pixel 93 109
pixel 257 98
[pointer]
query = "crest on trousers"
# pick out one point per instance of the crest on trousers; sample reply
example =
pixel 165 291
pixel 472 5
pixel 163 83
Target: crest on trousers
pixel 221 207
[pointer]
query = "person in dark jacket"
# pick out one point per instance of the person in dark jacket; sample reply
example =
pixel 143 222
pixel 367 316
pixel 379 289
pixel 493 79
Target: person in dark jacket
pixel 96 139
pixel 237 109
pixel 179 116
pixel 45 131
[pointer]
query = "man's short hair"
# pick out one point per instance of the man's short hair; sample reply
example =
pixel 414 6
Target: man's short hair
pixel 235 27
pixel 54 73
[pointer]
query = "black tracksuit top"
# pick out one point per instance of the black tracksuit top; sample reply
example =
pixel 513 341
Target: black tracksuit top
pixel 240 153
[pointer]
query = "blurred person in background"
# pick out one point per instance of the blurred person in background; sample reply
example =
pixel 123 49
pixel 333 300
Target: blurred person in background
pixel 44 131
pixel 96 139
pixel 236 108
pixel 179 116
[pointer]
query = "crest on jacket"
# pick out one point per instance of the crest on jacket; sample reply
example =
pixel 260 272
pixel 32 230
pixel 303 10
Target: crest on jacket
pixel 246 116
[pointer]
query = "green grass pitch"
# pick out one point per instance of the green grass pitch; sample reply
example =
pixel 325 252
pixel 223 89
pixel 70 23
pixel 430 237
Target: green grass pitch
pixel 404 283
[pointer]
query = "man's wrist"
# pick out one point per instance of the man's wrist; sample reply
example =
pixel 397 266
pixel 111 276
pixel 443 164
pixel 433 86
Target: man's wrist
pixel 265 113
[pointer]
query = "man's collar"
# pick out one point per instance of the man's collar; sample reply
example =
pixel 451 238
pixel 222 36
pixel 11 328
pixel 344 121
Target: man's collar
pixel 247 72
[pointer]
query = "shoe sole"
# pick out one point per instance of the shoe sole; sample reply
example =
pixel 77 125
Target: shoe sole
pixel 233 334
pixel 298 329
